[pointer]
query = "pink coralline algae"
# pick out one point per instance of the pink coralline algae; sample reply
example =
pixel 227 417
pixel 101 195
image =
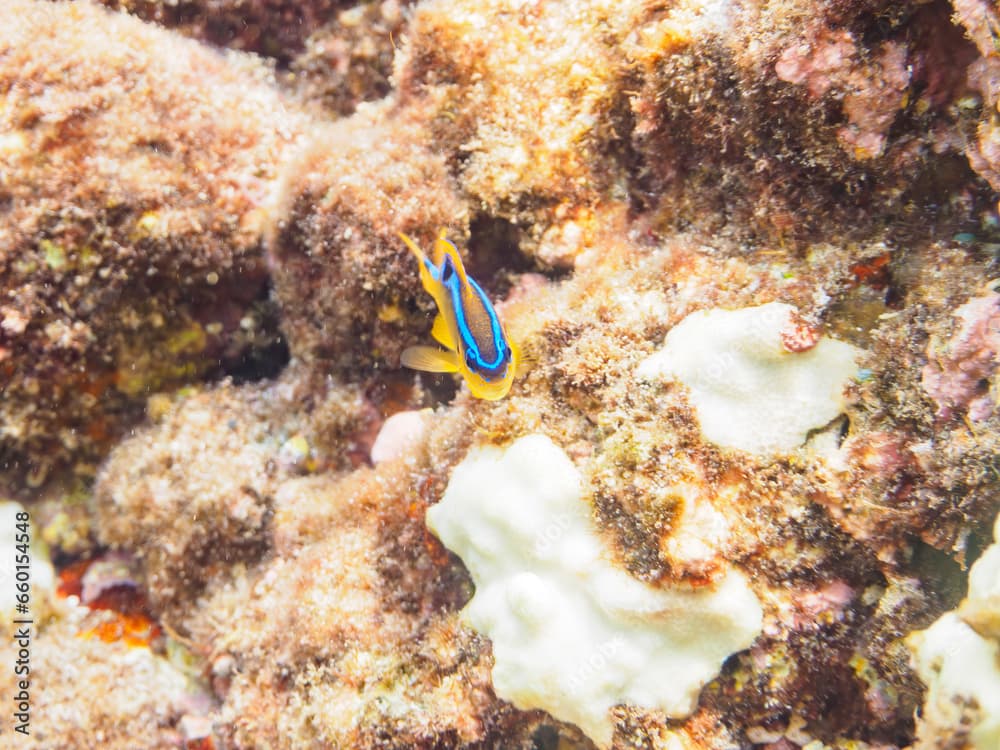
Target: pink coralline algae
pixel 399 433
pixel 981 20
pixel 819 65
pixel 872 91
pixel 959 376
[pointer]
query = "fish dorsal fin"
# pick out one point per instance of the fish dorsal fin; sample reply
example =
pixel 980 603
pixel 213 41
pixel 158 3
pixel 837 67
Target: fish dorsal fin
pixel 429 359
pixel 442 333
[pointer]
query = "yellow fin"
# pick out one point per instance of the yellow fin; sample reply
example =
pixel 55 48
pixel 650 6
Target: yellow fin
pixel 417 252
pixel 429 359
pixel 442 247
pixel 524 361
pixel 442 333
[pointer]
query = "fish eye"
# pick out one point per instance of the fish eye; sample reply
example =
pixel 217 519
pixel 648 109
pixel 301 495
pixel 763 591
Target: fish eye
pixel 447 269
pixel 471 359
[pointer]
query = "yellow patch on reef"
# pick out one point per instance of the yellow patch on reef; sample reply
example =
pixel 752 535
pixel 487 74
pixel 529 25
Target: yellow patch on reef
pixel 54 254
pixel 158 406
pixel 139 372
pixel 147 225
pixel 663 38
pixel 390 313
pixel 190 340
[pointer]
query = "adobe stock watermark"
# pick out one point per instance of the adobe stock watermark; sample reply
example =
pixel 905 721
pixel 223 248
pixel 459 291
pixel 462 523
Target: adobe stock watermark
pixel 552 533
pixel 22 622
pixel 595 663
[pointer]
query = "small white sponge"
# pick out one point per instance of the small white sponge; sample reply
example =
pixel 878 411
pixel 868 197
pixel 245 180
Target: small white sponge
pixel 750 392
pixel 572 634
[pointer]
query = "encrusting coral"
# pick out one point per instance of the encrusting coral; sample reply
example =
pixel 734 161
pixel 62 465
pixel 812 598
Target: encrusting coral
pixel 571 633
pixel 957 657
pixel 610 172
pixel 760 380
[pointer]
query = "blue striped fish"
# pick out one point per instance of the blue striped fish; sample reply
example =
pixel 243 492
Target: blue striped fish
pixel 467 325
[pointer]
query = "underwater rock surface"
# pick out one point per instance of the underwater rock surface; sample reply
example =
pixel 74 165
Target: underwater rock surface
pixel 136 165
pixel 204 299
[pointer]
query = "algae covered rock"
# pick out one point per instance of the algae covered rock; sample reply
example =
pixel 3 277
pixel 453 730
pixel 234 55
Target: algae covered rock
pixel 273 28
pixel 620 177
pixel 344 279
pixel 136 167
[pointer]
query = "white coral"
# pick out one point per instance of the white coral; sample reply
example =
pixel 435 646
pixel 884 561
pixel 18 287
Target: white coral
pixel 961 665
pixel 748 390
pixel 572 634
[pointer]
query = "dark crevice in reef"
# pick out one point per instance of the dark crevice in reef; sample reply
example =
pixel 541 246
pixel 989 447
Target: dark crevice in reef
pixel 494 257
pixel 259 351
pixel 277 30
pixel 439 390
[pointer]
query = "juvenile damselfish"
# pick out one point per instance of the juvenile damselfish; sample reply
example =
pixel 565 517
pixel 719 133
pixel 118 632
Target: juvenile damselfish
pixel 466 324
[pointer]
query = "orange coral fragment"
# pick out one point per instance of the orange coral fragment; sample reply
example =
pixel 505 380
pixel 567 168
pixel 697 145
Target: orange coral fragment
pixel 873 270
pixel 134 629
pixel 71 578
pixel 125 621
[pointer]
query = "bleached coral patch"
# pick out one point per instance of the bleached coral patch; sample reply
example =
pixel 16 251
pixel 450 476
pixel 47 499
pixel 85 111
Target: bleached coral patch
pixel 958 658
pixel 572 634
pixel 759 380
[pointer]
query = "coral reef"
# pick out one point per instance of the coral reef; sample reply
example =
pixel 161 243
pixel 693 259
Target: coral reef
pixel 311 588
pixel 274 28
pixel 135 170
pixel 244 561
pixel 981 21
pixel 145 700
pixel 349 60
pixel 962 376
pixel 166 475
pixel 333 248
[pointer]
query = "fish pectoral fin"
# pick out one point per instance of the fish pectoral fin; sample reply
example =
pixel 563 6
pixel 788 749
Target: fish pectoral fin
pixel 442 333
pixel 524 361
pixel 429 359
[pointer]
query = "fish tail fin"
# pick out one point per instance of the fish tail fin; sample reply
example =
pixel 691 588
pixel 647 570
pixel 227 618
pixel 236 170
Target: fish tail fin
pixel 417 252
pixel 444 247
